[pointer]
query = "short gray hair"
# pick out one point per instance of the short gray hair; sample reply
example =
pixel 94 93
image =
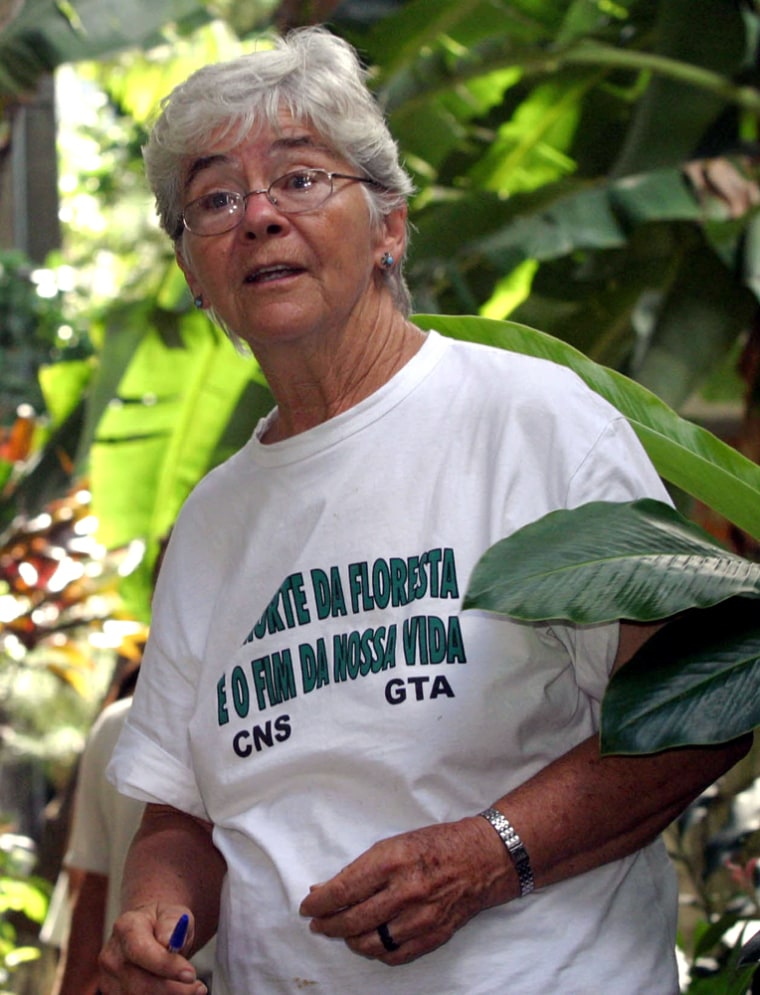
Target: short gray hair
pixel 314 76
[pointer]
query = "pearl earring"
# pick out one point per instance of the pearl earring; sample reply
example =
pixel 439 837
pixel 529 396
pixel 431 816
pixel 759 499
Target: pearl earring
pixel 387 260
pixel 198 301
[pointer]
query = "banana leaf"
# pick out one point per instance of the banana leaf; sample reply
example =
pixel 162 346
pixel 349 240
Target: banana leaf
pixel 639 560
pixel 696 680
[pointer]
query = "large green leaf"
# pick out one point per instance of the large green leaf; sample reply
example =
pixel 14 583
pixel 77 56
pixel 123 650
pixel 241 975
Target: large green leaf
pixel 683 453
pixel 168 424
pixel 480 235
pixel 46 33
pixel 703 313
pixel 558 219
pixel 694 682
pixel 640 560
pixel 172 406
pixel 672 116
pixel 125 328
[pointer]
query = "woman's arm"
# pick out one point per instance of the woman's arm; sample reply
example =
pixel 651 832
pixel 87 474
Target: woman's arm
pixel 609 807
pixel 581 811
pixel 172 868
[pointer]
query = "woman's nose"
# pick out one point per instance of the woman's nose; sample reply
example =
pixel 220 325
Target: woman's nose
pixel 261 215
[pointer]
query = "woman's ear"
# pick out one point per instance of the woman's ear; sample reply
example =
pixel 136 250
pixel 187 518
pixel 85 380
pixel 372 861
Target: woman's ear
pixel 192 282
pixel 393 235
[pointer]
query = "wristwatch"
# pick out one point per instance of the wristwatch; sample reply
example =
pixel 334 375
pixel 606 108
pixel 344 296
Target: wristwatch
pixel 515 846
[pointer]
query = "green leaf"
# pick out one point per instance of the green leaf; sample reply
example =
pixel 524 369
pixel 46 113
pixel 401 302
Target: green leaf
pixel 125 328
pixel 63 385
pixel 531 149
pixel 397 39
pixel 704 312
pixel 22 955
pixel 673 114
pixel 175 416
pixel 694 682
pixel 23 896
pixel 710 934
pixel 640 560
pixel 684 454
pixel 42 36
pixel 170 410
pixel 725 981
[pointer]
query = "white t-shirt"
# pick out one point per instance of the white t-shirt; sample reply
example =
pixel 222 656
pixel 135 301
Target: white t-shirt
pixel 311 686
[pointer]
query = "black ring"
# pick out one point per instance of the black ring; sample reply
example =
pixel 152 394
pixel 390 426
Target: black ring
pixel 386 939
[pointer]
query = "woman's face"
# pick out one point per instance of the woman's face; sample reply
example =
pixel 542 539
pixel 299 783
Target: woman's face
pixel 279 277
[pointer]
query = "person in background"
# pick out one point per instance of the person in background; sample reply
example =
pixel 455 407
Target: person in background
pixel 104 822
pixel 362 787
pixel 102 826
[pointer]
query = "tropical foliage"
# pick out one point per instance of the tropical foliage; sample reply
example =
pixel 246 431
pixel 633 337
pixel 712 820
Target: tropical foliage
pixel 23 896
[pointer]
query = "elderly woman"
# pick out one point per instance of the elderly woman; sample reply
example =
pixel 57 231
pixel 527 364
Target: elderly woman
pixel 313 705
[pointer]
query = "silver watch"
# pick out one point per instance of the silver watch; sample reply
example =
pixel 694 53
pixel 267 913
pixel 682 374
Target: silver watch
pixel 515 847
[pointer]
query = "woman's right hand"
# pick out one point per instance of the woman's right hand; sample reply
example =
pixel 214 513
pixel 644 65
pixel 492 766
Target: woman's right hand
pixel 135 960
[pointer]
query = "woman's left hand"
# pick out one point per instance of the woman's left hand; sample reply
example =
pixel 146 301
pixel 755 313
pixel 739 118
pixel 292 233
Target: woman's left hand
pixel 421 887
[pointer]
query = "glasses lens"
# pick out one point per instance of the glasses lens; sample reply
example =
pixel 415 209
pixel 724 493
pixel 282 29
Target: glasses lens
pixel 214 213
pixel 300 191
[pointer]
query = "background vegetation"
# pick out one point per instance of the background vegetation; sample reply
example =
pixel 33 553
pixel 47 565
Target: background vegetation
pixel 585 167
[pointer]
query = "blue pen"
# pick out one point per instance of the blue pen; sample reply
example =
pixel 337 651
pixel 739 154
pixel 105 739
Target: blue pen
pixel 177 939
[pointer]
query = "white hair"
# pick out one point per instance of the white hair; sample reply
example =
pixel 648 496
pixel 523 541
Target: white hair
pixel 312 75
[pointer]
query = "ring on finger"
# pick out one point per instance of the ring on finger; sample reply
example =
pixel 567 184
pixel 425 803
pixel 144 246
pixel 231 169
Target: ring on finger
pixel 386 939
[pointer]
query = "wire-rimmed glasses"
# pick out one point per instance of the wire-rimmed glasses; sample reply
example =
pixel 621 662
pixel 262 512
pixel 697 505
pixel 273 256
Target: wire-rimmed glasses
pixel 298 192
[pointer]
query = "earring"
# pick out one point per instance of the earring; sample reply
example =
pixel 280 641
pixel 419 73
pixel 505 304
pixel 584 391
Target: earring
pixel 198 301
pixel 387 260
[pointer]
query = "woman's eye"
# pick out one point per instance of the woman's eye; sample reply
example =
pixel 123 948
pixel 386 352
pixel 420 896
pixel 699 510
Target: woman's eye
pixel 296 182
pixel 218 200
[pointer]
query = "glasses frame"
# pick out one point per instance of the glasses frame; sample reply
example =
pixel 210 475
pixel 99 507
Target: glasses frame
pixel 267 192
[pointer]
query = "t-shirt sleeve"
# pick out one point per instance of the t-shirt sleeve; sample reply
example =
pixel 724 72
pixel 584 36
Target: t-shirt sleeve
pixel 152 760
pixel 617 468
pixel 143 769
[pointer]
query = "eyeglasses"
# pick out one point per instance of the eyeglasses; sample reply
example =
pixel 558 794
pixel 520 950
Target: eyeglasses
pixel 294 193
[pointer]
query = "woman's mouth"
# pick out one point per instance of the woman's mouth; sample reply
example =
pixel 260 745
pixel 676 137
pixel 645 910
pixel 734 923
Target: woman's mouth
pixel 278 271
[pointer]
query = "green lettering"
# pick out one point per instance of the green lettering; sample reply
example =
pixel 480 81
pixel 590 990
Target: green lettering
pixel 314 671
pixel 259 671
pixel 241 698
pixel 434 560
pixel 222 715
pixel 455 651
pixel 283 685
pixel 381 583
pixel 321 588
pixel 449 586
pixel 399 576
pixel 436 639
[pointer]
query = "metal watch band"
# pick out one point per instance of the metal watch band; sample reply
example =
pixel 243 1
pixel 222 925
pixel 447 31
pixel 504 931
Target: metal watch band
pixel 515 847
